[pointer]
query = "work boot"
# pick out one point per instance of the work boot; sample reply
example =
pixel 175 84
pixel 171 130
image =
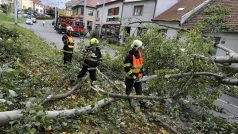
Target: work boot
pixel 143 105
pixel 94 84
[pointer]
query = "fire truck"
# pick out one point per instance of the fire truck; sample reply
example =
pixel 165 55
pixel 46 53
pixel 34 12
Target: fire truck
pixel 63 20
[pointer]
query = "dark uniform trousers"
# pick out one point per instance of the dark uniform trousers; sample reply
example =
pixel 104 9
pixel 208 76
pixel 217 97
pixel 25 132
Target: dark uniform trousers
pixel 130 83
pixel 92 73
pixel 67 57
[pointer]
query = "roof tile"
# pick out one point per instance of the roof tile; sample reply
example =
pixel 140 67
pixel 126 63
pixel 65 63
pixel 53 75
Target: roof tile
pixel 173 14
pixel 231 19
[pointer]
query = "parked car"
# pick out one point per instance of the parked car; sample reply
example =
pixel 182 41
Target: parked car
pixel 33 19
pixel 25 15
pixel 29 21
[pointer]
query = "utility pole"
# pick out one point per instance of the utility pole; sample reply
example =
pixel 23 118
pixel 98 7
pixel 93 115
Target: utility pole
pixel 15 10
pixel 85 15
pixel 56 14
pixel 100 29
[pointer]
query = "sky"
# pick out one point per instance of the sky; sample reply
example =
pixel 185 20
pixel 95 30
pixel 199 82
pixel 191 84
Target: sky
pixel 53 3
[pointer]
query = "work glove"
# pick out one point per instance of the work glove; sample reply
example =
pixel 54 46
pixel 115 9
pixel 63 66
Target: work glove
pixel 84 51
pixel 99 62
pixel 131 75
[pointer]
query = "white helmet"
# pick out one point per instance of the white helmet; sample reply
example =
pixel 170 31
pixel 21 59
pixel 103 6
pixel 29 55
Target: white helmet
pixel 69 28
pixel 136 44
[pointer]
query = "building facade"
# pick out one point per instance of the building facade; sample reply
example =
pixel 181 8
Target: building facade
pixel 25 4
pixel 135 11
pixel 77 9
pixel 39 8
pixel 108 18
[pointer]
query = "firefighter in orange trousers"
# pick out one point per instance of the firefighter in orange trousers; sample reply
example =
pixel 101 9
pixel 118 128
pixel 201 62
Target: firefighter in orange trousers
pixel 68 41
pixel 133 66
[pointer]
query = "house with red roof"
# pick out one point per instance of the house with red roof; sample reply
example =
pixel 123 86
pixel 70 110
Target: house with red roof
pixel 227 37
pixel 176 15
pixel 188 13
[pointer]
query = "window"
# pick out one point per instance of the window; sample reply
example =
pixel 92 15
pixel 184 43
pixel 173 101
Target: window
pixel 141 30
pixel 113 19
pixel 79 24
pixel 97 14
pixel 90 12
pixel 81 11
pixel 113 11
pixel 163 31
pixel 138 10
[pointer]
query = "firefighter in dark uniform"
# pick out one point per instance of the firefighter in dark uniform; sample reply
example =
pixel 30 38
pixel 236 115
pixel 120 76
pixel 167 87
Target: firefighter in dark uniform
pixel 92 59
pixel 68 41
pixel 133 66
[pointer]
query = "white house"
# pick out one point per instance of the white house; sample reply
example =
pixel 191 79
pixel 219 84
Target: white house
pixel 108 15
pixel 39 8
pixel 137 11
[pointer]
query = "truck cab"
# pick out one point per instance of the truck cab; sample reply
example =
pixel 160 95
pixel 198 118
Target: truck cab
pixel 76 23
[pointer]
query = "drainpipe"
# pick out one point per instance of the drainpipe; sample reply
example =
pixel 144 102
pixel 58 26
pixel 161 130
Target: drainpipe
pixel 100 29
pixel 155 9
pixel 84 16
pixel 121 20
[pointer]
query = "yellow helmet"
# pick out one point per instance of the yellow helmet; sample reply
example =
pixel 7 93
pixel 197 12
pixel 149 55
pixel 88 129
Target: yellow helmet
pixel 94 41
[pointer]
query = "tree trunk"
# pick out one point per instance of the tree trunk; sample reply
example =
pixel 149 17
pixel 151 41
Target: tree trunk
pixel 6 117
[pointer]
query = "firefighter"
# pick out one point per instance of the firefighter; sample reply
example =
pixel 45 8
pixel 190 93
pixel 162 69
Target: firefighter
pixel 133 66
pixel 92 58
pixel 68 41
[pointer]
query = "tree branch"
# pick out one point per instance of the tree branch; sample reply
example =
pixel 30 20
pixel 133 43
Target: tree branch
pixel 6 117
pixel 52 97
pixel 220 78
pixel 230 81
pixel 136 97
pixel 194 74
pixel 224 48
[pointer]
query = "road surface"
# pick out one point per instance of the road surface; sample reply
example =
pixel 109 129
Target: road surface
pixel 228 103
pixel 48 33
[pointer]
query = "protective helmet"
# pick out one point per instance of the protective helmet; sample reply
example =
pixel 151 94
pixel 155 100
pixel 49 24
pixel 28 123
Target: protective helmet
pixel 94 41
pixel 69 28
pixel 136 44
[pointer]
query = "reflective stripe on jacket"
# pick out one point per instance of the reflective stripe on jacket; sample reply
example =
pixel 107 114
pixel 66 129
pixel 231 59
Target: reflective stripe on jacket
pixel 71 41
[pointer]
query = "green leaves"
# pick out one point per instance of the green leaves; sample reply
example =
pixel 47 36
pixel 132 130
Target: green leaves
pixel 215 19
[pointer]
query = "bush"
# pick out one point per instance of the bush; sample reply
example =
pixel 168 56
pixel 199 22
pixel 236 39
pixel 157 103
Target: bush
pixel 43 17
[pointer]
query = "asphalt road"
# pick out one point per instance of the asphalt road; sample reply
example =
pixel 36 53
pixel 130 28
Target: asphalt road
pixel 230 107
pixel 46 32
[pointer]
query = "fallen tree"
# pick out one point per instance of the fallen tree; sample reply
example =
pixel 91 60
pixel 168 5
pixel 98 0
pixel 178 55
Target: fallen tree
pixel 6 117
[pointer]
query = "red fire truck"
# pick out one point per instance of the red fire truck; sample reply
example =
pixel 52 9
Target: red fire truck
pixel 75 22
